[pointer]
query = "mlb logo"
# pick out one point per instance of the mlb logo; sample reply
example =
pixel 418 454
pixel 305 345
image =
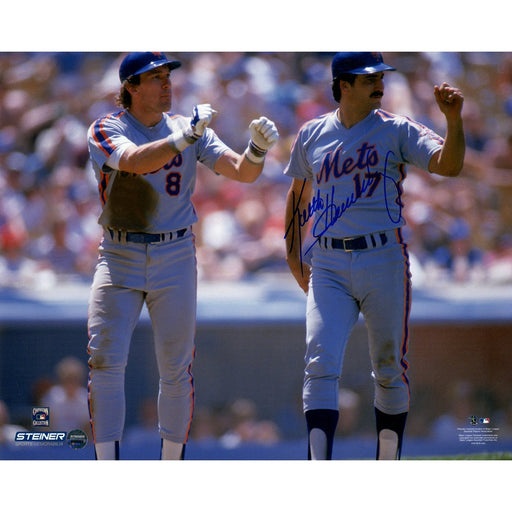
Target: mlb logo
pixel 485 420
pixel 41 416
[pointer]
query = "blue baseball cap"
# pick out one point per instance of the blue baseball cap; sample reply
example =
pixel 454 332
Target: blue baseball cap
pixel 358 63
pixel 136 63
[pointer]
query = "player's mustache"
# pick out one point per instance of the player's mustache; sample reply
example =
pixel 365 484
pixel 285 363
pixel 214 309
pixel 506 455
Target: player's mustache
pixel 376 94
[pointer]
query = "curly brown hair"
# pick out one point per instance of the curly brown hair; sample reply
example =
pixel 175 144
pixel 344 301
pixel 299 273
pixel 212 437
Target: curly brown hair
pixel 124 98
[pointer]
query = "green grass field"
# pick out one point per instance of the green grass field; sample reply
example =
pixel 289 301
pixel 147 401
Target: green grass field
pixel 474 456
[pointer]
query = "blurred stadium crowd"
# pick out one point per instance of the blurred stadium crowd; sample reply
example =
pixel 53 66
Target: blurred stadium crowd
pixel 458 229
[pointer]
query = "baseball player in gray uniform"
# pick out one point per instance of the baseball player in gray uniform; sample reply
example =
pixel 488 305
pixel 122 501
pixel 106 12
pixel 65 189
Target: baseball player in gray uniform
pixel 348 168
pixel 145 160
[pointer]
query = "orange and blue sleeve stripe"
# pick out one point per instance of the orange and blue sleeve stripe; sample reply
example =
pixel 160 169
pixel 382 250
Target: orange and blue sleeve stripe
pixel 102 187
pixel 386 115
pixel 102 140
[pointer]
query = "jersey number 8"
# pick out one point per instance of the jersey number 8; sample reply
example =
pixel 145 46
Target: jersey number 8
pixel 173 183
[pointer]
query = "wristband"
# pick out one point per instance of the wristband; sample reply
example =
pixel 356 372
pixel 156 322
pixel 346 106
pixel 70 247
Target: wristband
pixel 181 140
pixel 255 154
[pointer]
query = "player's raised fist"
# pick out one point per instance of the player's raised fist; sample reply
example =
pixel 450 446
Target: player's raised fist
pixel 201 118
pixel 264 133
pixel 448 98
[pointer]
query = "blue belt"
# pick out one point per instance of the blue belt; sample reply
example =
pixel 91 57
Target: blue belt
pixel 359 243
pixel 146 238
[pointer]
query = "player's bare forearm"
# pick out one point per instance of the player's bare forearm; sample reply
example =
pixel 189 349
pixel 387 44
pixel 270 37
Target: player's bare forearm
pixel 451 156
pixel 297 201
pixel 248 166
pixel 249 171
pixel 238 167
pixel 450 160
pixel 146 158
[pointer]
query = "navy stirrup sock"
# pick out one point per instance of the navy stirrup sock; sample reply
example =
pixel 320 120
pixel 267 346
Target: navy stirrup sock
pixel 326 421
pixel 393 422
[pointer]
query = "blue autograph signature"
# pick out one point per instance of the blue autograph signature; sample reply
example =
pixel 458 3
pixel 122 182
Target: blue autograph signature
pixel 329 211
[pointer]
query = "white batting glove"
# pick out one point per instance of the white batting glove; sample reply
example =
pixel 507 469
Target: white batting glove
pixel 264 135
pixel 202 115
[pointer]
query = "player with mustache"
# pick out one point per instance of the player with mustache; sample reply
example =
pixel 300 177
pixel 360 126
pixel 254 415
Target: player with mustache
pixel 348 168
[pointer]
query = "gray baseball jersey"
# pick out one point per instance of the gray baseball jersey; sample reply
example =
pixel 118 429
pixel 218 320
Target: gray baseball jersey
pixel 358 173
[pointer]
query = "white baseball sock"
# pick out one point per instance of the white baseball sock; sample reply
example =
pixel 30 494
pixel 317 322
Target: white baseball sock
pixel 171 450
pixel 107 451
pixel 388 444
pixel 318 444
